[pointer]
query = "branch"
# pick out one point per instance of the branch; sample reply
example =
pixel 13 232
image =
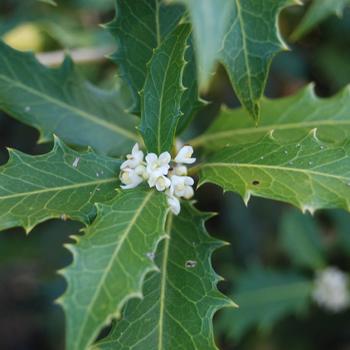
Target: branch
pixel 79 56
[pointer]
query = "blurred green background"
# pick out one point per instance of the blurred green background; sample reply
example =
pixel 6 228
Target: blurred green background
pixel 275 252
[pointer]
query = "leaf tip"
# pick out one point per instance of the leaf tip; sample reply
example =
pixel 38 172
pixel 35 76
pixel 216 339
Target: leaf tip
pixel 246 197
pixel 305 208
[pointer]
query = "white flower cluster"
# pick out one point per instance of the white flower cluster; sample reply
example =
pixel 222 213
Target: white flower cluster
pixel 156 170
pixel 331 290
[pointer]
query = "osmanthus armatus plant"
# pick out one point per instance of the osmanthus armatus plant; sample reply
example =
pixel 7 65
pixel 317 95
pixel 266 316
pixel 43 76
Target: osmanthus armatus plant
pixel 143 259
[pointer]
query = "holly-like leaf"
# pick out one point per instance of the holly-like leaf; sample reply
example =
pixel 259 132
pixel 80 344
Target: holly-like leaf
pixel 59 101
pixel 60 184
pixel 210 19
pixel 264 297
pixel 191 103
pixel 308 174
pixel 179 302
pixel 249 45
pixel 291 118
pixel 139 28
pixel 163 90
pixel 301 238
pixel 152 21
pixel 242 35
pixel 318 11
pixel 111 261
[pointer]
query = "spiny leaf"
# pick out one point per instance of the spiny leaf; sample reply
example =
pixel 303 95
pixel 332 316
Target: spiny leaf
pixel 210 19
pixel 111 261
pixel 318 11
pixel 248 47
pixel 191 103
pixel 59 101
pixel 139 28
pixel 161 97
pixel 309 174
pixel 264 297
pixel 179 302
pixel 301 239
pixel 291 118
pixel 63 183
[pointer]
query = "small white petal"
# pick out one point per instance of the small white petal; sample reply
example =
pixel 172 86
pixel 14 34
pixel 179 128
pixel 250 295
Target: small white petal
pixel 174 204
pixel 158 166
pixel 189 192
pixel 188 181
pixel 129 178
pixel 134 159
pixel 151 158
pixel 135 149
pixel 162 183
pixel 141 171
pixel 180 170
pixel 165 158
pixel 125 164
pixel 184 155
pixel 164 169
pixel 178 145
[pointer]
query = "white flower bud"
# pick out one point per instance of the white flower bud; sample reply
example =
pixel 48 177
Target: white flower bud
pixel 134 159
pixel 184 155
pixel 129 178
pixel 180 170
pixel 330 290
pixel 155 171
pixel 157 166
pixel 174 204
pixel 181 186
pixel 162 183
pixel 141 171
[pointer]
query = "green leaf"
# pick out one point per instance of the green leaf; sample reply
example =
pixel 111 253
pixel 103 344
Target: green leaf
pixel 179 302
pixel 151 21
pixel 191 103
pixel 309 174
pixel 318 11
pixel 60 184
pixel 139 28
pixel 242 35
pixel 59 101
pixel 291 118
pixel 264 297
pixel 210 19
pixel 301 238
pixel 111 261
pixel 163 90
pixel 249 45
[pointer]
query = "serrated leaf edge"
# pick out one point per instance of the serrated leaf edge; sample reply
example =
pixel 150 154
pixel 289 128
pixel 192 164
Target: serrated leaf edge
pixel 136 294
pixel 304 207
pixel 58 145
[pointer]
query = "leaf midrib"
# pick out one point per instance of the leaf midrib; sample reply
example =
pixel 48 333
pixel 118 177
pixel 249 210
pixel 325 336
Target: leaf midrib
pixel 58 188
pixel 252 130
pixel 92 118
pixel 275 167
pixel 245 49
pixel 164 272
pixel 111 261
pixel 160 110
